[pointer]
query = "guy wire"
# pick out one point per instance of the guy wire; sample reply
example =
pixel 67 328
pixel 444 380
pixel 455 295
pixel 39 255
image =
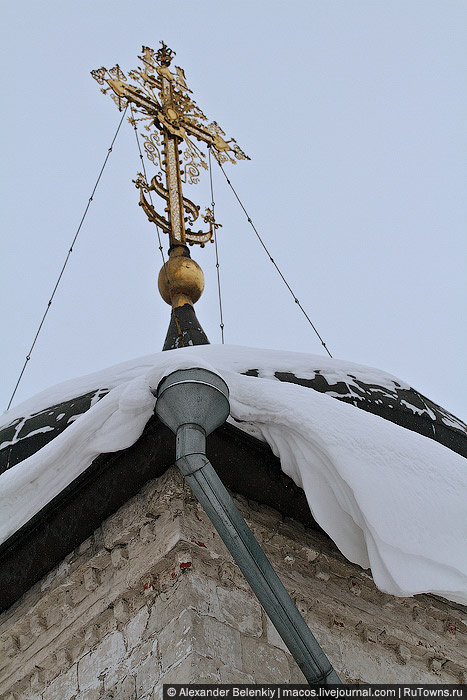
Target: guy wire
pixel 217 254
pixel 273 261
pixel 28 356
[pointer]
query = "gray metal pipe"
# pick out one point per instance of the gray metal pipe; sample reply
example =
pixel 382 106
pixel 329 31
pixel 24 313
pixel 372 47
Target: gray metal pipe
pixel 226 518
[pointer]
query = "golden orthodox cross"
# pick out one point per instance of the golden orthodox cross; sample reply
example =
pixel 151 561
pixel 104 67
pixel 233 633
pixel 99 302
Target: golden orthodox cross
pixel 161 97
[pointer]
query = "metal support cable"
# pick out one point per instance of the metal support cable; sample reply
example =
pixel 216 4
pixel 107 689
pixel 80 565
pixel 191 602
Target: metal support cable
pixel 49 303
pixel 274 262
pixel 221 324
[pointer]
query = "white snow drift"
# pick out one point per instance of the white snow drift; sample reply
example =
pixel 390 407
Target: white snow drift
pixel 390 498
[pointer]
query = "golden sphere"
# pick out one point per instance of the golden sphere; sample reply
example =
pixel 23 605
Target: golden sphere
pixel 181 277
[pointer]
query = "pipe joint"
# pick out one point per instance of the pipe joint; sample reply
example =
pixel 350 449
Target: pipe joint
pixel 190 439
pixel 192 463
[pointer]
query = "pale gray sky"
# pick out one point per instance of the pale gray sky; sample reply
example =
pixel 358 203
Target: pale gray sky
pixel 354 115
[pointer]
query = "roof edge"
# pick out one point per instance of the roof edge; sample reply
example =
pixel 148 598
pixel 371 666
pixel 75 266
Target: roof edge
pixel 246 466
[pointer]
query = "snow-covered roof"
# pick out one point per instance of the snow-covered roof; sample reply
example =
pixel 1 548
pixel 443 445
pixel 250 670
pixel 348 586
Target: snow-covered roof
pixel 31 425
pixel 390 498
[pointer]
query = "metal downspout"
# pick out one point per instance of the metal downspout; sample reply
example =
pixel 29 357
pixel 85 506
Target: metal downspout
pixel 203 398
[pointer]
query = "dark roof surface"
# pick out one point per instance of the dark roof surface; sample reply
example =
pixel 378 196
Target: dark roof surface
pixel 405 407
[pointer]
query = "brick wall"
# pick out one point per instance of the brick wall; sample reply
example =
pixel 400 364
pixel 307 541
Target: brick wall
pixel 154 597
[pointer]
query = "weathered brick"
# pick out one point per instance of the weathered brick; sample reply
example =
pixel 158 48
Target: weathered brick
pixel 25 638
pixel 140 653
pixel 176 640
pixel 169 495
pixel 52 615
pixel 310 554
pixel 37 679
pixel 10 645
pixel 164 610
pixel 216 640
pixel 403 654
pixel 103 661
pixel 436 665
pixel 135 628
pixel 121 610
pixel 64 687
pixel 37 624
pixel 233 675
pixel 90 694
pixel 240 610
pixel 147 675
pixel 230 576
pixel 124 525
pixel 77 594
pixel 27 694
pixel 201 593
pixel 193 668
pixel 62 658
pixel 123 690
pixel 322 574
pixel 147 531
pixel 91 581
pixel 119 556
pixel 168 535
pixel 57 574
pixel 266 663
pixel 86 545
pixel 91 635
pixel 193 590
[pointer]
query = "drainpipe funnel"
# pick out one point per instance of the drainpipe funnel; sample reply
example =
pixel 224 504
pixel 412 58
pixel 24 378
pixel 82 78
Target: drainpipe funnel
pixel 195 396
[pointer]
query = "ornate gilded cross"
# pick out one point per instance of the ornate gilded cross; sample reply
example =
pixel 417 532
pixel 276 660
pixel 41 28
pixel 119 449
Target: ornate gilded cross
pixel 161 98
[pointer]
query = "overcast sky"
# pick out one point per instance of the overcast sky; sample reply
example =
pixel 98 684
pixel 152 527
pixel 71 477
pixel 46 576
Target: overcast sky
pixel 354 114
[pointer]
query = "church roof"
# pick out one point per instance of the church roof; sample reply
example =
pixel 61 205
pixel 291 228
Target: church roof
pixel 29 427
pixel 353 466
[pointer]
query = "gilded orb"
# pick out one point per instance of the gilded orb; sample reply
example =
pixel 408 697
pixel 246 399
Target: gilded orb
pixel 181 279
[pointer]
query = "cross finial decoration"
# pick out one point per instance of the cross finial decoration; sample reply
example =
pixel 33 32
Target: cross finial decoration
pixel 173 124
